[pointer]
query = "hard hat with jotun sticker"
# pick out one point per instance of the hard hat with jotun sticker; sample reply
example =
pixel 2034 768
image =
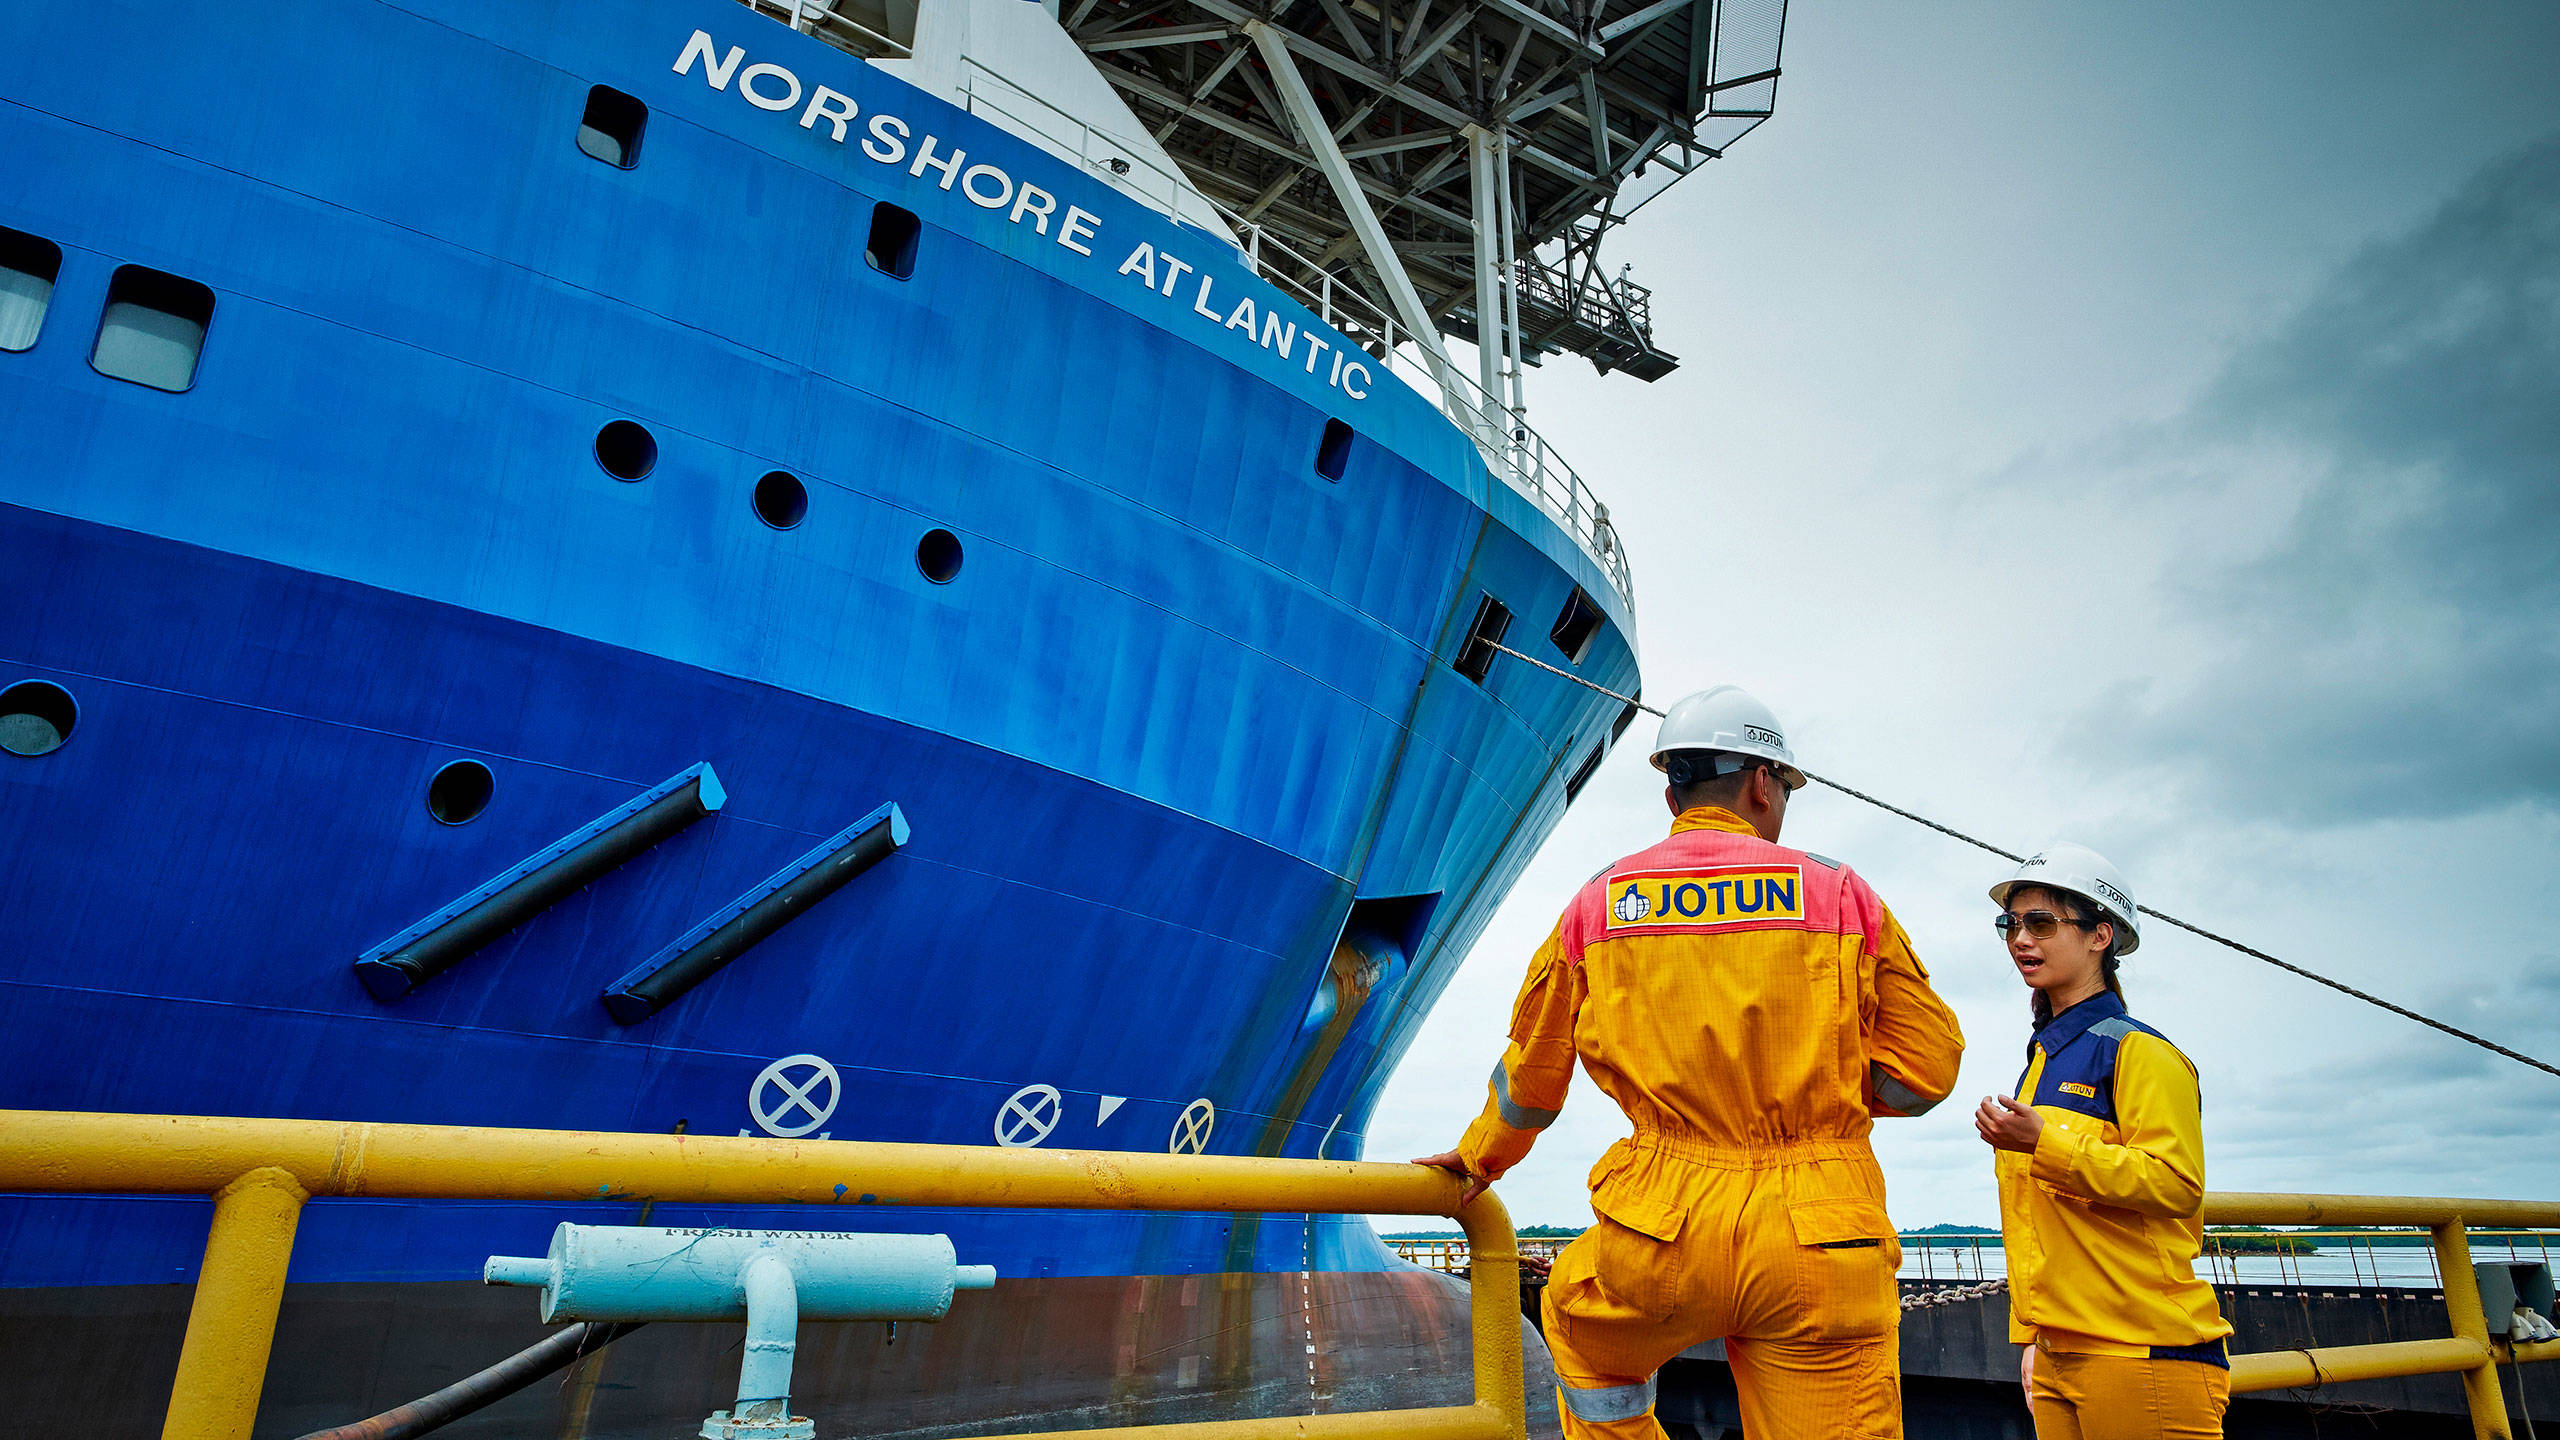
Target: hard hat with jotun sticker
pixel 2085 873
pixel 1728 720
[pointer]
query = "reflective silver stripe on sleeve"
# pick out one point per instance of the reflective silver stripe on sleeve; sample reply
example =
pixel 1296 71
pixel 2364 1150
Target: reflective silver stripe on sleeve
pixel 1896 1094
pixel 1518 1117
pixel 1608 1402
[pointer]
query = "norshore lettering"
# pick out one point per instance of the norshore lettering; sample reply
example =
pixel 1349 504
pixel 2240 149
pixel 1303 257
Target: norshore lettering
pixel 886 139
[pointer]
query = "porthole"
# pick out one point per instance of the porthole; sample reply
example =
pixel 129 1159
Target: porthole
pixel 781 500
pixel 627 450
pixel 892 247
pixel 938 556
pixel 1334 451
pixel 36 716
pixel 610 130
pixel 460 792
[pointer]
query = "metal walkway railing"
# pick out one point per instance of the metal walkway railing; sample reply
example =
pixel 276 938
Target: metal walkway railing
pixel 2448 1225
pixel 259 1173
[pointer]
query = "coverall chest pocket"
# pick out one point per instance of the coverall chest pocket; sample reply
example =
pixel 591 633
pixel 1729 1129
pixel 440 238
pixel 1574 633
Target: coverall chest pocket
pixel 1636 1258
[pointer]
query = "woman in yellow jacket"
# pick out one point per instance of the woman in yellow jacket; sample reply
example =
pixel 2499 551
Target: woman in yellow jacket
pixel 2101 1168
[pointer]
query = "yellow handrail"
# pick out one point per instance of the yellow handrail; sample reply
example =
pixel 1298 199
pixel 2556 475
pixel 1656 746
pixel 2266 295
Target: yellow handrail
pixel 260 1171
pixel 2470 1352
pixel 2415 1211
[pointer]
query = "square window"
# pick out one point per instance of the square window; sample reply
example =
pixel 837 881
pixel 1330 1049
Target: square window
pixel 1575 626
pixel 153 330
pixel 610 130
pixel 29 265
pixel 894 233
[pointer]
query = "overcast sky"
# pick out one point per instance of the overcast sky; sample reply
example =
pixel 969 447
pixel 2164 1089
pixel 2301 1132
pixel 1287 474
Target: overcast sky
pixel 2139 426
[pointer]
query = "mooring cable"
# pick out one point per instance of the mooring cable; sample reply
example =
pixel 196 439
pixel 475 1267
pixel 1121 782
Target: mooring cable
pixel 2251 951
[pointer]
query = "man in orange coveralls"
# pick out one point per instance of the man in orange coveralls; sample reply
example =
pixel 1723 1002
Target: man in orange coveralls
pixel 1750 1008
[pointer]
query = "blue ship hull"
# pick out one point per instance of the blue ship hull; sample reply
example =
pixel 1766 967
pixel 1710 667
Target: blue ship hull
pixel 1184 716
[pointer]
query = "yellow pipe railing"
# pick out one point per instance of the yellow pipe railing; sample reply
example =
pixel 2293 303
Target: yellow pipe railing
pixel 2469 1353
pixel 260 1172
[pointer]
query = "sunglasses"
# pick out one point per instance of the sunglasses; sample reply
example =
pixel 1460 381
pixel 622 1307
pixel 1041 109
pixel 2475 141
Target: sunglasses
pixel 2039 924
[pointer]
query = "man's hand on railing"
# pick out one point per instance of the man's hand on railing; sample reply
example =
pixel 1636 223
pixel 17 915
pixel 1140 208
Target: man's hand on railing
pixel 1448 1160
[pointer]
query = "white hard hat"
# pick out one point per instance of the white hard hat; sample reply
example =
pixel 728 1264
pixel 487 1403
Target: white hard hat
pixel 2085 873
pixel 1728 720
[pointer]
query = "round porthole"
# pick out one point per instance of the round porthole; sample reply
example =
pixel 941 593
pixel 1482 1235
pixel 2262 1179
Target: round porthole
pixel 36 716
pixel 460 792
pixel 626 450
pixel 938 556
pixel 781 500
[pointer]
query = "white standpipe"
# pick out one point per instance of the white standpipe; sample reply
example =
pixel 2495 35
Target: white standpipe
pixel 769 1279
pixel 773 1334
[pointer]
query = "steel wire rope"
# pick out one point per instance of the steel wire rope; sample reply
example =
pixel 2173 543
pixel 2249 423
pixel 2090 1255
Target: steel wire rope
pixel 2251 951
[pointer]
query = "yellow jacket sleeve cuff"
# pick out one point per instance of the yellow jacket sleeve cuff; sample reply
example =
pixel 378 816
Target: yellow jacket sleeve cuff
pixel 2056 1159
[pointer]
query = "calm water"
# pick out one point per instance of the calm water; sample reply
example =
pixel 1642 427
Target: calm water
pixel 2338 1262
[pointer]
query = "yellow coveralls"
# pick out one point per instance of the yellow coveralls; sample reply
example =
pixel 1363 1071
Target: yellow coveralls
pixel 1749 1007
pixel 2100 1229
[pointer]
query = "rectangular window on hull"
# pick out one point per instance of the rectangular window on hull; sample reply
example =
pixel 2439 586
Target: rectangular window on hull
pixel 1334 451
pixel 1475 658
pixel 1575 626
pixel 894 232
pixel 29 265
pixel 610 130
pixel 1625 718
pixel 1582 774
pixel 153 330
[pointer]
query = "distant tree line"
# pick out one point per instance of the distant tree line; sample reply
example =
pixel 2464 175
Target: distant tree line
pixel 2256 1240
pixel 2222 1239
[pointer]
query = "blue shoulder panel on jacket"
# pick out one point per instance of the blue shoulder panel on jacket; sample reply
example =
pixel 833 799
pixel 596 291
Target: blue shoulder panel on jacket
pixel 2082 1077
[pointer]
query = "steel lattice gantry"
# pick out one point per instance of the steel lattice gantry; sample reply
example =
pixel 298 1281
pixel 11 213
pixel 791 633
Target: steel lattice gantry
pixel 1587 108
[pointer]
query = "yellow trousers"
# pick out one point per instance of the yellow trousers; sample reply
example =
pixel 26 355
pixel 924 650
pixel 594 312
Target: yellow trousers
pixel 2126 1397
pixel 1811 1332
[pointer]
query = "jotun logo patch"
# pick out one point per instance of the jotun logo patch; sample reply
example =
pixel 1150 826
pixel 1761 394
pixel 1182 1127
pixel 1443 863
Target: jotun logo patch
pixel 1689 899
